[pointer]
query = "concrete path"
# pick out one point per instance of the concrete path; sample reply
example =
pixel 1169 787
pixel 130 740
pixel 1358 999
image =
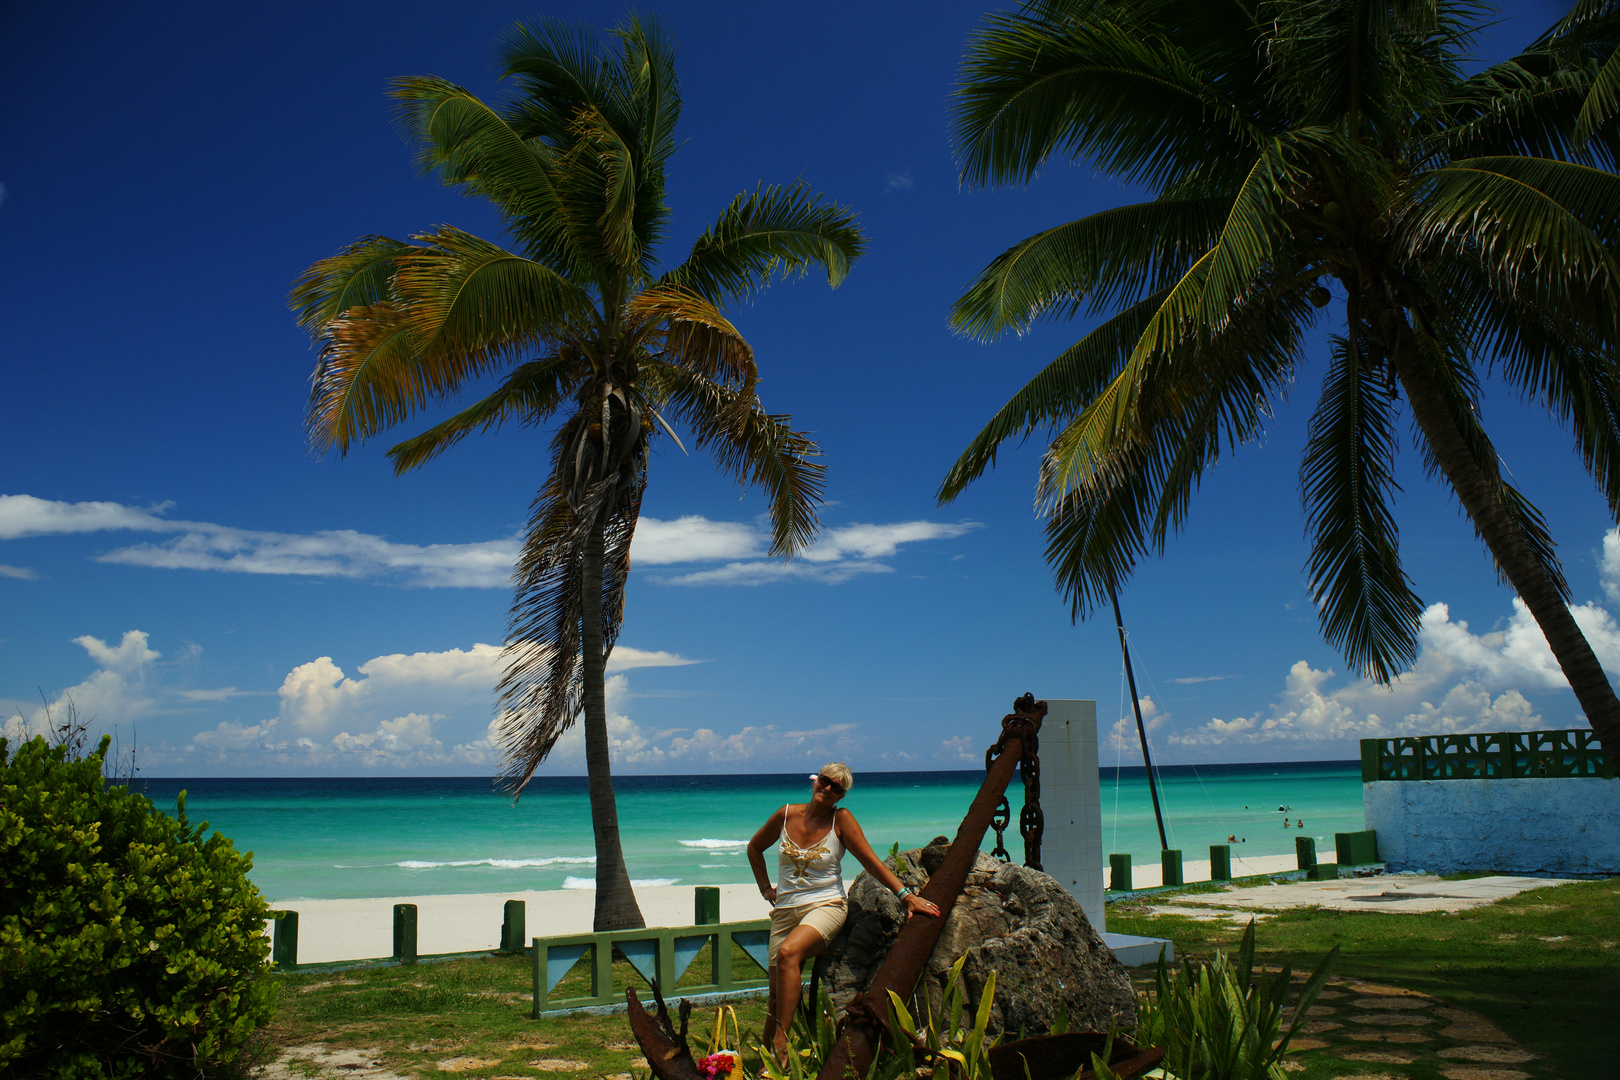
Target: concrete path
pixel 1419 893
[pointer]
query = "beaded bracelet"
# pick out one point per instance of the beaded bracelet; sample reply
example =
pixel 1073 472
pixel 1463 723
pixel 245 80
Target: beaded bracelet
pixel 905 891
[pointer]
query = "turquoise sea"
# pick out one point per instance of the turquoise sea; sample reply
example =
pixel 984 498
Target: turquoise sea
pixel 333 838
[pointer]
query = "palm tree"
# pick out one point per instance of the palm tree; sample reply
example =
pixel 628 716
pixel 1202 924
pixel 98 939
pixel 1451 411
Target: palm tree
pixel 573 320
pixel 1298 154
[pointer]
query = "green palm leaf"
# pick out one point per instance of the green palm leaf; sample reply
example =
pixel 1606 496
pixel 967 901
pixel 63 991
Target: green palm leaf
pixel 773 231
pixel 1364 601
pixel 1058 393
pixel 753 446
pixel 1109 257
pixel 531 393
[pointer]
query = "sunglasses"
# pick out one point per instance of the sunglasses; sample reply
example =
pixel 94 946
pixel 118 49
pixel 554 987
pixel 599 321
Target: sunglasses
pixel 831 785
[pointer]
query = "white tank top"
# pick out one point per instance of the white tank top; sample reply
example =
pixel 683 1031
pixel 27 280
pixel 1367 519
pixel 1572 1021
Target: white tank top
pixel 809 875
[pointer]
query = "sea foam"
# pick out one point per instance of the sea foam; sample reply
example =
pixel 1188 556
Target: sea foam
pixel 638 883
pixel 503 864
pixel 714 844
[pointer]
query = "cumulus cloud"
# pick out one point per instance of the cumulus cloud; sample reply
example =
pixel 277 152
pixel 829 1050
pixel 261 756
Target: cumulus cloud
pixel 116 693
pixel 1461 682
pixel 840 554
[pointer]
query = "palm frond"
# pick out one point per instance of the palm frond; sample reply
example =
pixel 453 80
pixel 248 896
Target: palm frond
pixel 473 148
pixel 531 393
pixel 473 305
pixel 1112 495
pixel 358 276
pixel 1364 600
pixel 774 231
pixel 541 692
pixel 1109 257
pixel 753 446
pixel 366 378
pixel 1533 223
pixel 693 334
pixel 1134 104
pixel 1059 392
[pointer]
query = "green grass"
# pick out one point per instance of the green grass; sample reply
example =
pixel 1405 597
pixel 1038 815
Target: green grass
pixel 413 1017
pixel 1544 965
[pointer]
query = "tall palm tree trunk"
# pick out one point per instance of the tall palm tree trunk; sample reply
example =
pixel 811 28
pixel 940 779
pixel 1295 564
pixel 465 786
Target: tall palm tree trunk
pixel 616 907
pixel 1506 541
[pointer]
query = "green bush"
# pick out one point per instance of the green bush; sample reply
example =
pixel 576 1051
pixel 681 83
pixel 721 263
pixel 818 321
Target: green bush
pixel 130 945
pixel 1220 1020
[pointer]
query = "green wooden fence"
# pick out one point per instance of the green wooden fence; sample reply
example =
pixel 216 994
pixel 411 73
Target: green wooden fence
pixel 1497 755
pixel 660 954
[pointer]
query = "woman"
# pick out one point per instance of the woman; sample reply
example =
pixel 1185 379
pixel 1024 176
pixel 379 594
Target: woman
pixel 808 905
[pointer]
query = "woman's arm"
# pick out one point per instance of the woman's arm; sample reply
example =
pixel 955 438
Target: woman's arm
pixel 849 831
pixel 769 833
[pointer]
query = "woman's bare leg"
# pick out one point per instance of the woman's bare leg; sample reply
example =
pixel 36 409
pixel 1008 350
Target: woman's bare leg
pixel 787 983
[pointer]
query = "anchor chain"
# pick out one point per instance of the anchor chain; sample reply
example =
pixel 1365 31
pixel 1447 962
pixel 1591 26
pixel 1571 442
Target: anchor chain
pixel 1024 722
pixel 1031 820
pixel 998 822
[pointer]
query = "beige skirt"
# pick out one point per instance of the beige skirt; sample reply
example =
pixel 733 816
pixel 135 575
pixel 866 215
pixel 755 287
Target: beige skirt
pixel 824 916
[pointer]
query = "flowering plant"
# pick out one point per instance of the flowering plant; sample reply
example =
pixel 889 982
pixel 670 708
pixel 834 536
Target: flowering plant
pixel 719 1064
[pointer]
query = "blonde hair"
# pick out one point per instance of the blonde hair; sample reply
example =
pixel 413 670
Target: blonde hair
pixel 839 773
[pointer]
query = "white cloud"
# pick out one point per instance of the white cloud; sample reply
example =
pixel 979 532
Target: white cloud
pixel 1461 682
pixel 624 658
pixel 880 541
pixel 767 573
pixel 839 555
pixel 21 573
pixel 900 182
pixel 24 515
pixel 694 539
pixel 1609 565
pixel 340 553
pixel 115 694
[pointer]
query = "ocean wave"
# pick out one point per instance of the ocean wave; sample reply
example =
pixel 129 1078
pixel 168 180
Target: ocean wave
pixel 639 883
pixel 714 844
pixel 503 864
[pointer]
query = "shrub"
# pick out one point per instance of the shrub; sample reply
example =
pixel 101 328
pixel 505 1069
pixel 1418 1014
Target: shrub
pixel 130 945
pixel 1219 1020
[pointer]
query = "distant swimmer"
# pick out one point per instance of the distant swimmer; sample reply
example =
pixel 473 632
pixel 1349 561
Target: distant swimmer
pixel 1232 839
pixel 1301 823
pixel 1285 823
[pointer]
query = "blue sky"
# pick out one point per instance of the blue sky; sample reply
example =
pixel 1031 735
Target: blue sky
pixel 175 560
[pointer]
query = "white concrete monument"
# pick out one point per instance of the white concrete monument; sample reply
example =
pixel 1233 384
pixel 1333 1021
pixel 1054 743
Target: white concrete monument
pixel 1071 801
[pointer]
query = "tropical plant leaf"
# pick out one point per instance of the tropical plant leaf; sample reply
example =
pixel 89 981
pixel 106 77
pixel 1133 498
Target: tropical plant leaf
pixel 1364 600
pixel 1115 256
pixel 775 231
pixel 531 393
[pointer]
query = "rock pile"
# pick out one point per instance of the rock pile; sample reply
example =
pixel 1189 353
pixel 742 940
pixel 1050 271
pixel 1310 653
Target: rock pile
pixel 1014 921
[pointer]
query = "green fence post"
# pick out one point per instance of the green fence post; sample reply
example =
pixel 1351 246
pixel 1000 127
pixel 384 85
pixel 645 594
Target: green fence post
pixel 705 905
pixel 1305 851
pixel 405 933
pixel 514 916
pixel 1323 872
pixel 1119 873
pixel 1220 862
pixel 284 940
pixel 1170 867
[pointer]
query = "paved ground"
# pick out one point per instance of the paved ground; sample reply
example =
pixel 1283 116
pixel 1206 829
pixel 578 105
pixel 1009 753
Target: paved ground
pixel 1397 893
pixel 1385 1026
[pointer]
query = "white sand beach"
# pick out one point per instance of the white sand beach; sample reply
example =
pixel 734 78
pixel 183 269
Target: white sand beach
pixel 335 930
